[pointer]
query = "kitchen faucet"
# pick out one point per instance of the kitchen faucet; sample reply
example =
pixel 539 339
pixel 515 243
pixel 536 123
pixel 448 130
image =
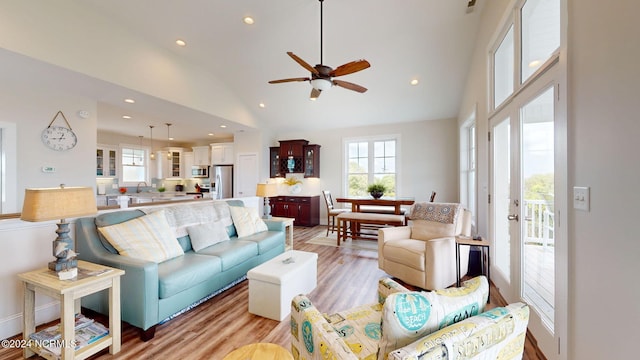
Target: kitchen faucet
pixel 138 187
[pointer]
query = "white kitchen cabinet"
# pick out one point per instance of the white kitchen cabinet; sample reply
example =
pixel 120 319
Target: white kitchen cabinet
pixel 106 161
pixel 222 153
pixel 187 161
pixel 170 167
pixel 201 155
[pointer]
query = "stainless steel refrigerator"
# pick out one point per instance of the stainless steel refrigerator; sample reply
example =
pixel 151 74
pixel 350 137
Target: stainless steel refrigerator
pixel 222 181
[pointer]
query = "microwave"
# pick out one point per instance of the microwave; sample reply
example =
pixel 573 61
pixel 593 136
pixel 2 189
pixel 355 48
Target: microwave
pixel 200 171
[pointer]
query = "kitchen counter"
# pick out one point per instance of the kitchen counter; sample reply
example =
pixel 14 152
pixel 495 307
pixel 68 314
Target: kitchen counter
pixel 145 197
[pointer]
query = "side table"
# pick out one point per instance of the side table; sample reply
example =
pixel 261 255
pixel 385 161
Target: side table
pixel 259 351
pixel 288 224
pixel 485 245
pixel 69 292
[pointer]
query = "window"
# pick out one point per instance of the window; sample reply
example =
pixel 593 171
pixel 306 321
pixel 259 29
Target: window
pixel 503 69
pixel 134 165
pixel 540 34
pixel 371 161
pixel 468 166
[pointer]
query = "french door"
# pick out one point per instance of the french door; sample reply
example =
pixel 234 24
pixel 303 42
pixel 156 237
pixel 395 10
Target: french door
pixel 523 207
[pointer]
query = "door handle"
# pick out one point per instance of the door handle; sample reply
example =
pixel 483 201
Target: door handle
pixel 512 217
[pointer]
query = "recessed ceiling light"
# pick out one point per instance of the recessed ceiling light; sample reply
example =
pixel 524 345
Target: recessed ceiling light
pixel 313 98
pixel 414 82
pixel 261 105
pixel 223 126
pixel 248 20
pixel 130 101
pixel 171 138
pixel 126 117
pixel 210 134
pixel 181 42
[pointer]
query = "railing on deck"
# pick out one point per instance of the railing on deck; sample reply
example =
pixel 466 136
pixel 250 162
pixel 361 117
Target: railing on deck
pixel 540 223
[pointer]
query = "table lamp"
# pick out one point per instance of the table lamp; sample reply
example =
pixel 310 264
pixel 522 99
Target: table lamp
pixel 266 191
pixel 59 203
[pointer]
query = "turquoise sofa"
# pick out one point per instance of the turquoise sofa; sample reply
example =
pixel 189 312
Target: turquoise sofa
pixel 152 293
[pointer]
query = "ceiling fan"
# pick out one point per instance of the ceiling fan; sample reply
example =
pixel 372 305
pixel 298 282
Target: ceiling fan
pixel 322 76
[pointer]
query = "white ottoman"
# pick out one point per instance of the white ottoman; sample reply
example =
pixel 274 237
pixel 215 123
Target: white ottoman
pixel 274 283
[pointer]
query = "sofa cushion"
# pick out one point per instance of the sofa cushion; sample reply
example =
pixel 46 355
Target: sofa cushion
pixel 184 272
pixel 147 237
pixel 232 252
pixel 204 235
pixel 409 316
pixel 247 221
pixel 434 220
pixel 266 240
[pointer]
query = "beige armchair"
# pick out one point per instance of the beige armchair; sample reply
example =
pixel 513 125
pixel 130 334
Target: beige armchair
pixel 423 253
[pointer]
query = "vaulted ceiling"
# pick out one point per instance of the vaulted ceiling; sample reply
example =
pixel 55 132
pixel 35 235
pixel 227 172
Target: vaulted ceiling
pixel 427 40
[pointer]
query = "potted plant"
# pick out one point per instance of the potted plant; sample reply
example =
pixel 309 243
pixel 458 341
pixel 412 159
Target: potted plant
pixel 376 190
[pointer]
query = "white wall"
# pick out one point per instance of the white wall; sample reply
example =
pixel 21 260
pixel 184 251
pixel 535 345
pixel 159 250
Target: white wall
pixel 428 159
pixel 603 154
pixel 603 128
pixel 31 110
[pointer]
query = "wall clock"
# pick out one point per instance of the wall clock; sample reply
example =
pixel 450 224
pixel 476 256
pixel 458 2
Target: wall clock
pixel 59 138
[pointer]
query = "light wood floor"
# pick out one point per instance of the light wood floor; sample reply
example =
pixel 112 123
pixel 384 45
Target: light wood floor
pixel 346 278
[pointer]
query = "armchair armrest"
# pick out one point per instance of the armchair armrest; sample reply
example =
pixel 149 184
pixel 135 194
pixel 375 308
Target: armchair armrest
pixel 440 255
pixel 312 336
pixel 394 233
pixel 388 286
pixel 275 225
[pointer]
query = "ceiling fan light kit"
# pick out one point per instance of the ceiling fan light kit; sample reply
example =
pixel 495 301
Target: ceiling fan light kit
pixel 322 76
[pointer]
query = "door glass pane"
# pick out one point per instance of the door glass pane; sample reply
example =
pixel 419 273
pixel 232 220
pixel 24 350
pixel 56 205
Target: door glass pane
pixel 503 62
pixel 501 197
pixel 540 34
pixel 538 210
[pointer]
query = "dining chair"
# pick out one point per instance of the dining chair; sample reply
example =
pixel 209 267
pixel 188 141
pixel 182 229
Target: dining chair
pixel 332 212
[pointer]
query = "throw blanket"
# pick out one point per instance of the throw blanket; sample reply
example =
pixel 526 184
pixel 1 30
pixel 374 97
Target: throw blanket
pixel 181 216
pixel 439 212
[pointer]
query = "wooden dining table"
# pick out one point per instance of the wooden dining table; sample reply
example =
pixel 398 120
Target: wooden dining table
pixel 358 201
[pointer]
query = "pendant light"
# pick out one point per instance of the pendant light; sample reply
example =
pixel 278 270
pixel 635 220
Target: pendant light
pixel 152 155
pixel 168 141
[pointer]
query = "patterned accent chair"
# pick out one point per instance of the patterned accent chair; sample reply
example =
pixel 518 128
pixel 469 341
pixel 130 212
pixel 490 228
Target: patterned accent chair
pixel 405 324
pixel 423 253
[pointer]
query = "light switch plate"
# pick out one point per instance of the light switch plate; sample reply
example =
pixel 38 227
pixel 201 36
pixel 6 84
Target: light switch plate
pixel 581 198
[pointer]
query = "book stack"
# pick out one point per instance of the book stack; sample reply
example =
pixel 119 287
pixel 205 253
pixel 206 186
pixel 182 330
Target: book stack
pixel 87 331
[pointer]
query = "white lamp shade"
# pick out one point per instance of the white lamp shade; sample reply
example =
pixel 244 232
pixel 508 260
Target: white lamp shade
pixel 321 84
pixel 267 190
pixel 58 203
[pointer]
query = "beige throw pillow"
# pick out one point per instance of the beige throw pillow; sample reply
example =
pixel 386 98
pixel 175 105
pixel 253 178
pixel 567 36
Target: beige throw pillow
pixel 247 221
pixel 205 235
pixel 147 237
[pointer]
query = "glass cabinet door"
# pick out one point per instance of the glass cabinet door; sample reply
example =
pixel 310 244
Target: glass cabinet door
pixel 99 162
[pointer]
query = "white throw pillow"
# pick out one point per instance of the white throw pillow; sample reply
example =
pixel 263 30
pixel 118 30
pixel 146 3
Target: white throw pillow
pixel 247 221
pixel 207 234
pixel 148 237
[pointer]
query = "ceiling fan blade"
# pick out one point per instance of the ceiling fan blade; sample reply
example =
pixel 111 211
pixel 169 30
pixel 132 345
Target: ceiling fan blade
pixel 288 80
pixel 302 63
pixel 350 86
pixel 315 93
pixel 350 68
